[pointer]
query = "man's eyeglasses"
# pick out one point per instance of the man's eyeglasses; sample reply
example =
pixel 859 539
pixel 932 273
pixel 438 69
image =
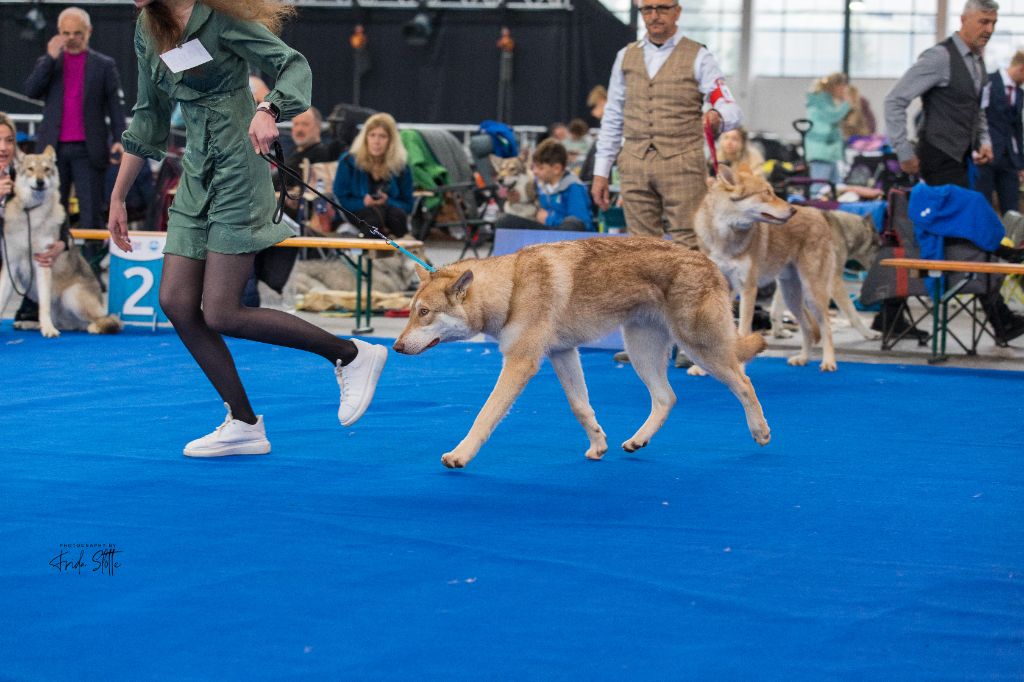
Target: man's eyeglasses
pixel 648 10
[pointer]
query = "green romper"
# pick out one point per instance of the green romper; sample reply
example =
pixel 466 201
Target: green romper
pixel 225 199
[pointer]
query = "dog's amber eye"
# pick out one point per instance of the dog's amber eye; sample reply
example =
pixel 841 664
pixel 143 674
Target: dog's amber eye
pixel 424 312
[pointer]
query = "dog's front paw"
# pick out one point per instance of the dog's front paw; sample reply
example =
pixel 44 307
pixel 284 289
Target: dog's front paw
pixel 696 371
pixel 780 333
pixel 596 453
pixel 797 360
pixel 49 331
pixel 27 325
pixel 762 434
pixel 828 366
pixel 453 460
pixel 632 445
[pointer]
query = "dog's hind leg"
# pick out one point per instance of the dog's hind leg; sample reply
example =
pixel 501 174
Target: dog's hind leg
pixel 817 299
pixel 570 375
pixel 714 347
pixel 848 309
pixel 648 345
pixel 778 311
pixel 793 294
pixel 515 374
pixel 44 276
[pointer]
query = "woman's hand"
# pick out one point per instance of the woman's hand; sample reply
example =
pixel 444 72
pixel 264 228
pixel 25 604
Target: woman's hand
pixel 262 132
pixel 6 185
pixel 118 224
pixel 47 257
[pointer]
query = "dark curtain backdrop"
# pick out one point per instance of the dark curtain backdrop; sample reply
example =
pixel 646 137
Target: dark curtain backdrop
pixel 559 56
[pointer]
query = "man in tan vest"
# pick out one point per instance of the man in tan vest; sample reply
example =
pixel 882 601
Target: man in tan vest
pixel 656 95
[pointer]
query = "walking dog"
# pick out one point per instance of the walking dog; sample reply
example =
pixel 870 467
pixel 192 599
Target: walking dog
pixel 68 293
pixel 547 299
pixel 755 237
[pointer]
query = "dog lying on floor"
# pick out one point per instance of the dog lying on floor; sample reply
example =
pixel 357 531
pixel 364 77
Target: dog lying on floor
pixel 755 237
pixel 547 299
pixel 69 295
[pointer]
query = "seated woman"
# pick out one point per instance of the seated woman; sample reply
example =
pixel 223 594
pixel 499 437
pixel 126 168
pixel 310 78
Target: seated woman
pixel 373 179
pixel 734 150
pixel 563 199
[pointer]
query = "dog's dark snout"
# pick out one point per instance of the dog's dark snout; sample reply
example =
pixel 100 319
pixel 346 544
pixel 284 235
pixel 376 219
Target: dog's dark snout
pixel 40 184
pixel 399 346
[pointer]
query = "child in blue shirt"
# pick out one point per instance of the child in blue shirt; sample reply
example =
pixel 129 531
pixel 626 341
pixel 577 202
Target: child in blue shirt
pixel 564 200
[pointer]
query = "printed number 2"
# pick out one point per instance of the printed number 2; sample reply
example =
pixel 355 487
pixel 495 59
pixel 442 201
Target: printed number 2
pixel 147 283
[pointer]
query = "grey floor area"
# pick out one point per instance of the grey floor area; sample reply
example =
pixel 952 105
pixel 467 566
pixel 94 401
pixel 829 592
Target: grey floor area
pixel 850 345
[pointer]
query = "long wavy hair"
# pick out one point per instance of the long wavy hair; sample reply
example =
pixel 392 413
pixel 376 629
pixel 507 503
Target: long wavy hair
pixel 161 24
pixel 393 161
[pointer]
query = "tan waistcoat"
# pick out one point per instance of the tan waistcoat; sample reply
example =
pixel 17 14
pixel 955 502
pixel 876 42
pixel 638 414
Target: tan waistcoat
pixel 664 111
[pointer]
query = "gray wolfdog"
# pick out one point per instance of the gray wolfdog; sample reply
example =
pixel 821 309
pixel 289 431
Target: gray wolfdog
pixel 69 295
pixel 547 299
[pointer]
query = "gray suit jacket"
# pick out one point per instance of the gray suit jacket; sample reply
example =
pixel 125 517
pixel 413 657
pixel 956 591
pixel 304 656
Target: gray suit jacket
pixel 103 99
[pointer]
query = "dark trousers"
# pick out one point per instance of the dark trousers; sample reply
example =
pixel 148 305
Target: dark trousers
pixel 1001 178
pixel 76 169
pixel 390 220
pixel 939 168
pixel 514 222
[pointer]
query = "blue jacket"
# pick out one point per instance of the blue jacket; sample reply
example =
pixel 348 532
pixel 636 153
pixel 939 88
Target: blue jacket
pixel 570 198
pixel 952 211
pixel 1004 123
pixel 351 184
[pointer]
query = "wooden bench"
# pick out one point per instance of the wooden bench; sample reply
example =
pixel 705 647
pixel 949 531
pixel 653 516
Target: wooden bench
pixel 362 266
pixel 941 297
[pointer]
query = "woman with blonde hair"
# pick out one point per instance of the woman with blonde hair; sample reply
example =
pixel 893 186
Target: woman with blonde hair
pixel 373 179
pixel 221 215
pixel 734 150
pixel 827 106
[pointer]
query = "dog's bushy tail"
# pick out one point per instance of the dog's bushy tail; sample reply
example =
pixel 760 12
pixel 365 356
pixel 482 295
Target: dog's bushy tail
pixel 109 324
pixel 750 345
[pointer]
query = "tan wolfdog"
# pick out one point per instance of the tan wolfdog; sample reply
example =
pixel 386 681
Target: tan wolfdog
pixel 547 299
pixel 755 237
pixel 69 294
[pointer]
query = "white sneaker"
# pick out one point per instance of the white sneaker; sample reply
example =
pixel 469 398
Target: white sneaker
pixel 233 437
pixel 358 380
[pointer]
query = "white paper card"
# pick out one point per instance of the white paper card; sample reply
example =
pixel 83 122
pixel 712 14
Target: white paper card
pixel 188 56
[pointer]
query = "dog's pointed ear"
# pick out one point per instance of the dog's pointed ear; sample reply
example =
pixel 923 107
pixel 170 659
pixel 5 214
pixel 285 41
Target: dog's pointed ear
pixel 50 153
pixel 461 285
pixel 727 177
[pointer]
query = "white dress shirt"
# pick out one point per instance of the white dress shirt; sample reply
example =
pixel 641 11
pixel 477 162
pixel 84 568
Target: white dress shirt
pixel 705 70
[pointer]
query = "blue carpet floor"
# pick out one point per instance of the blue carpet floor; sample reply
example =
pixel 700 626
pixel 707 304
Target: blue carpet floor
pixel 879 536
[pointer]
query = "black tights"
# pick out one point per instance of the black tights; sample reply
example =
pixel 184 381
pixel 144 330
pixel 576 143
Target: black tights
pixel 203 299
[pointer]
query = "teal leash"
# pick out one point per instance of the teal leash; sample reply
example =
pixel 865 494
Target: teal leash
pixel 277 160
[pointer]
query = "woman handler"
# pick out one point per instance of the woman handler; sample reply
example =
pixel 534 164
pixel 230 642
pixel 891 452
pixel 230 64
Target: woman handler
pixel 221 214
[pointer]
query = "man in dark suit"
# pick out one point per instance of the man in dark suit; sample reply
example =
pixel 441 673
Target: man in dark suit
pixel 82 89
pixel 1005 127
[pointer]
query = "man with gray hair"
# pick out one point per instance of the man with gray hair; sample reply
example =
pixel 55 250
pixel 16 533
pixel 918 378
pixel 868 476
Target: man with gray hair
pixel 950 79
pixel 81 89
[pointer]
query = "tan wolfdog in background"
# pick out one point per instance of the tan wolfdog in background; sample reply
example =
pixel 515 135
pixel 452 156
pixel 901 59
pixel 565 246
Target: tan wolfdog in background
pixel 755 237
pixel 547 299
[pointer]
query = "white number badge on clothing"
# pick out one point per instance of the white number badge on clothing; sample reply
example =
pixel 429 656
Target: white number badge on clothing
pixel 187 56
